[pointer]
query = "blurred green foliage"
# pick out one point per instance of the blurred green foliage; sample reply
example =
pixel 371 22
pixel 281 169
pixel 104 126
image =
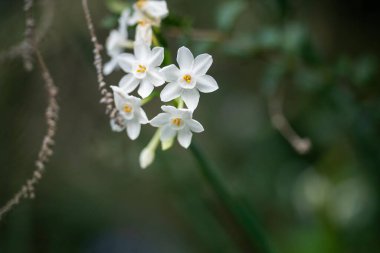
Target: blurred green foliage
pixel 319 57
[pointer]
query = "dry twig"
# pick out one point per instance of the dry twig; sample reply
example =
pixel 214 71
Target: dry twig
pixel 51 115
pixel 23 48
pixel 106 96
pixel 281 123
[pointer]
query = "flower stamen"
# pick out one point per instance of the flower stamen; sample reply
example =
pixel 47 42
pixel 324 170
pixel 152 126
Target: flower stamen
pixel 127 108
pixel 141 69
pixel 140 3
pixel 187 78
pixel 177 122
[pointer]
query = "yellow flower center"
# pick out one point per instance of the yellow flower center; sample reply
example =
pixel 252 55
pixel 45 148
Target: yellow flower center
pixel 140 3
pixel 187 78
pixel 177 122
pixel 141 69
pixel 142 22
pixel 127 108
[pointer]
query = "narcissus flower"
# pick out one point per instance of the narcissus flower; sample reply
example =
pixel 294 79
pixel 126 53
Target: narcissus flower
pixel 190 79
pixel 130 110
pixel 116 42
pixel 152 9
pixel 144 32
pixel 142 69
pixel 178 122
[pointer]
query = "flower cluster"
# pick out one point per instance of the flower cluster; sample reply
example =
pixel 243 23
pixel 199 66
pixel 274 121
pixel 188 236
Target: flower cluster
pixel 144 73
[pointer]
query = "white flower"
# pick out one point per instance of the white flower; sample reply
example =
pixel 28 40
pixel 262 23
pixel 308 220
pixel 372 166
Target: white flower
pixel 191 78
pixel 142 69
pixel 177 121
pixel 144 33
pixel 116 42
pixel 113 50
pixel 129 108
pixel 151 9
pixel 123 22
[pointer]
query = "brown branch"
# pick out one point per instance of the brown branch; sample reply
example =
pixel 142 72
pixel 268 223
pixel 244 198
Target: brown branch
pixel 51 116
pixel 106 96
pixel 281 123
pixel 24 47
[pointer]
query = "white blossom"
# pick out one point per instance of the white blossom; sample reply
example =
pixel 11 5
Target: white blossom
pixel 178 122
pixel 142 69
pixel 144 33
pixel 146 15
pixel 116 42
pixel 130 110
pixel 153 10
pixel 190 79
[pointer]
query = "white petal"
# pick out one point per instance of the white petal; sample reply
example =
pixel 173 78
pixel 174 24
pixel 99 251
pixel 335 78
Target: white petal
pixel 171 73
pixel 185 58
pixel 144 34
pixel 167 133
pixel 123 22
pixel 110 66
pixel 143 118
pixel 136 16
pixel 160 120
pixel 170 109
pixel 202 64
pixel 157 56
pixel 113 42
pixel 195 126
pixel 133 129
pixel 207 84
pixel 165 145
pixel 145 89
pixel 156 9
pixel 126 62
pixel 156 77
pixel 185 113
pixel 146 157
pixel 142 51
pixel 191 98
pixel 184 137
pixel 170 92
pixel 129 83
pixel 120 97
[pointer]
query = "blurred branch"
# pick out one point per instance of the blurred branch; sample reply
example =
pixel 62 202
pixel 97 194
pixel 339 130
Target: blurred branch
pixel 24 48
pixel 281 123
pixel 51 116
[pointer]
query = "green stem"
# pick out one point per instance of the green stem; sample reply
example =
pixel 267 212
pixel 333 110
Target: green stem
pixel 244 218
pixel 150 98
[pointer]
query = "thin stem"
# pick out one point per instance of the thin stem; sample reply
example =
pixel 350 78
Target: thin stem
pixel 149 98
pixel 280 122
pixel 244 218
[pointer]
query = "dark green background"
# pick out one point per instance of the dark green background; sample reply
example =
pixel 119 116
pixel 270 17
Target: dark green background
pixel 322 55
